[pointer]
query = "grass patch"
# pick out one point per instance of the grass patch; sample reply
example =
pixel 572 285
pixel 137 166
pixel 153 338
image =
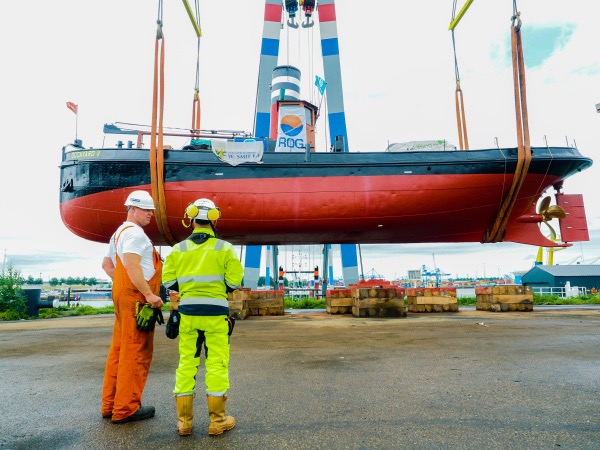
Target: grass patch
pixel 65 311
pixel 556 300
pixel 466 301
pixel 304 303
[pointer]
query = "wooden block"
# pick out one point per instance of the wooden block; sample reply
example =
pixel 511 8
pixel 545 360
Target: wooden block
pixel 239 314
pixel 416 308
pixel 265 303
pixel 432 300
pixel 522 298
pixel 339 309
pixel 450 292
pixel 378 303
pixel 500 290
pixel 339 301
pixel 240 294
pixel 503 307
pixel 379 307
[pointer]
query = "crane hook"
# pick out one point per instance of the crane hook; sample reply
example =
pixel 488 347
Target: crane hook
pixel 308 23
pixel 291 23
pixel 291 6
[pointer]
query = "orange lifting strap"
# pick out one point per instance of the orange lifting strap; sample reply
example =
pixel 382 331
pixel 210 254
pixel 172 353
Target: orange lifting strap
pixel 496 234
pixel 196 113
pixel 157 157
pixel 461 120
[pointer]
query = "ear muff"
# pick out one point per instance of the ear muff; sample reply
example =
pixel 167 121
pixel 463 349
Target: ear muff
pixel 191 211
pixel 213 214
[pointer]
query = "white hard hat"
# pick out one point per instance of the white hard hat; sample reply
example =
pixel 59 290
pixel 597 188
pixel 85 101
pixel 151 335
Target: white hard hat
pixel 203 209
pixel 140 199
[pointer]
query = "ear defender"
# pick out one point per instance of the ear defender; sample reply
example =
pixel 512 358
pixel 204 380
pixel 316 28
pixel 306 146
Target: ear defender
pixel 191 211
pixel 213 214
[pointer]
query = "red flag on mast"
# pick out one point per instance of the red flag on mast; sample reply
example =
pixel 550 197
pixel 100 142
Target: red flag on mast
pixel 72 106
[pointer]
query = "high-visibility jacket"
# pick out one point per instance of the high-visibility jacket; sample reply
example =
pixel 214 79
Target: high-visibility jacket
pixel 202 269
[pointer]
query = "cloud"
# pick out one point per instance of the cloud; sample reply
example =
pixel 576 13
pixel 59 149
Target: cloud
pixel 37 260
pixel 543 41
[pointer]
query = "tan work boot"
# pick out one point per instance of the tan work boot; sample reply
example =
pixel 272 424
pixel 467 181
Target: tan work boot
pixel 219 422
pixel 185 413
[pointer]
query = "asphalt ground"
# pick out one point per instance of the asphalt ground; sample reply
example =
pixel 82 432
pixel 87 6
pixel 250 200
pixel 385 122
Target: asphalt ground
pixel 466 380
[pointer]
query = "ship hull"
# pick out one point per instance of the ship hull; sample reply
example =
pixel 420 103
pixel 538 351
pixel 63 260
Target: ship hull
pixel 405 197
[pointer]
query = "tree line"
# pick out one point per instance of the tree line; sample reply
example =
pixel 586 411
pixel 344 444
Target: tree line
pixel 70 281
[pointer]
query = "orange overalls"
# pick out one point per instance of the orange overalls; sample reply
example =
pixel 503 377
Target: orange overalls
pixel 130 353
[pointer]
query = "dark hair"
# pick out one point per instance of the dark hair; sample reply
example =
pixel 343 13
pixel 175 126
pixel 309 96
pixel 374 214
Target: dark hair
pixel 202 222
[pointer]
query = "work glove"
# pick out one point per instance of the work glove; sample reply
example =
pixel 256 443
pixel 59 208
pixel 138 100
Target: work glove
pixel 172 328
pixel 146 318
pixel 158 316
pixel 231 323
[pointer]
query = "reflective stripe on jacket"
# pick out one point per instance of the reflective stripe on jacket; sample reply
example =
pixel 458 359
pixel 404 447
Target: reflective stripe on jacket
pixel 202 273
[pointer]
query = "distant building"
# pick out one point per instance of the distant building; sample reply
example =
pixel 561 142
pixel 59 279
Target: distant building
pixel 579 275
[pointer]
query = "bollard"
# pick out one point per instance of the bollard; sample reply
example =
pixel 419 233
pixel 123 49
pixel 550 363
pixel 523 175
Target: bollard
pixel 34 303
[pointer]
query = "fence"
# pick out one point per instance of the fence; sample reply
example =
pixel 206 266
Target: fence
pixel 562 292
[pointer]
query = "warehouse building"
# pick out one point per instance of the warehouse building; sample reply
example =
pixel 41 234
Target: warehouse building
pixel 581 275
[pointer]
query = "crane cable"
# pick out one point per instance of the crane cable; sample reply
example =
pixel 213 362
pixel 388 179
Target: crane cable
pixel 157 162
pixel 497 232
pixel 461 120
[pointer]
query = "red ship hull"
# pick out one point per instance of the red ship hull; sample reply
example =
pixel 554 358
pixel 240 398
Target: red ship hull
pixel 381 198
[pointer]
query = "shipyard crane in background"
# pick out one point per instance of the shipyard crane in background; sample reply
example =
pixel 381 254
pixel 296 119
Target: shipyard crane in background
pixel 280 86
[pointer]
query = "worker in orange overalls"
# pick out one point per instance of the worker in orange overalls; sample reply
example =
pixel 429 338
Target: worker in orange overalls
pixel 135 267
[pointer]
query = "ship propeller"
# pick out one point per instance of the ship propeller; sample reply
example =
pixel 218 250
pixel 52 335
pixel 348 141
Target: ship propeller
pixel 549 212
pixel 545 213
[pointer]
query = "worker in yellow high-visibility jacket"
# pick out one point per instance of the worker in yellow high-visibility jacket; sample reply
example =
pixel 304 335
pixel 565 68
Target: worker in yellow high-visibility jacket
pixel 203 269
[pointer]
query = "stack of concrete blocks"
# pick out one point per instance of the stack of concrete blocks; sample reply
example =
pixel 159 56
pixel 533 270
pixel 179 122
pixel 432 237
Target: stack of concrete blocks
pixel 422 300
pixel 339 301
pixel 377 301
pixel 504 298
pixel 238 303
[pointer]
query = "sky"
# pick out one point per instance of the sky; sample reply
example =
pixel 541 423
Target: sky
pixel 397 67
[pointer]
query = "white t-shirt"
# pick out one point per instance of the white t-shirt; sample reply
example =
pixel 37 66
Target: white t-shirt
pixel 133 240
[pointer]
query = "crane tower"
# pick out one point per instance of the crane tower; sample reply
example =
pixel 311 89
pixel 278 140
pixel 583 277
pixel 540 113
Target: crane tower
pixel 274 22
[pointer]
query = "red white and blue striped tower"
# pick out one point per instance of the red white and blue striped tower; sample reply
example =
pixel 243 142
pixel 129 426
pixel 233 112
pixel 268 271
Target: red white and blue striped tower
pixel 336 116
pixel 273 19
pixel 330 50
pixel 269 52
